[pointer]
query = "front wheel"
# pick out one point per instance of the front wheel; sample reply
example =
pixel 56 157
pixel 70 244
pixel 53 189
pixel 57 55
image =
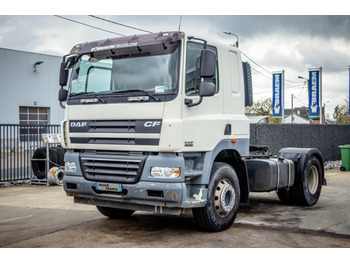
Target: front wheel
pixel 223 200
pixel 115 213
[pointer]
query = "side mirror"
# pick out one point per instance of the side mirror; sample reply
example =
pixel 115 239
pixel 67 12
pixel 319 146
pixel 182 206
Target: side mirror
pixel 68 62
pixel 207 70
pixel 62 95
pixel 208 63
pixel 63 74
pixel 207 89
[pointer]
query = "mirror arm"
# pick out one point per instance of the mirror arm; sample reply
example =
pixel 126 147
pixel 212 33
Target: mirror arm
pixel 62 105
pixel 189 102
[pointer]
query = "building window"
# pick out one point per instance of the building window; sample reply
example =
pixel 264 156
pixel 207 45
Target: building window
pixel 33 115
pixel 32 121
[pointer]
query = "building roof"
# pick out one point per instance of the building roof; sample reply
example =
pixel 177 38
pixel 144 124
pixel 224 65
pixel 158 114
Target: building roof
pixel 257 119
pixel 28 52
pixel 297 119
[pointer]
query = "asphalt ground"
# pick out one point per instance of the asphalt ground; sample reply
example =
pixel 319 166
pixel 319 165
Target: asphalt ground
pixel 38 216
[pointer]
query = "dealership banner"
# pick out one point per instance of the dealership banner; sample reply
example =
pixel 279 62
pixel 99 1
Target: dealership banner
pixel 277 94
pixel 314 91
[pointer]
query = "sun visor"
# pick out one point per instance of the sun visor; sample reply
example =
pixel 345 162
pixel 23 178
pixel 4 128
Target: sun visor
pixel 132 46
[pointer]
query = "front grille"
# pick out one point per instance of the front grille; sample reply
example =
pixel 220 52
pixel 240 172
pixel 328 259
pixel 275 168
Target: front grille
pixel 125 169
pixel 112 126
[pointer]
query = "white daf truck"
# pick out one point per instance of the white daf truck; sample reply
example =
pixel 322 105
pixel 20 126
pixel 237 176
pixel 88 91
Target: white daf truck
pixel 156 122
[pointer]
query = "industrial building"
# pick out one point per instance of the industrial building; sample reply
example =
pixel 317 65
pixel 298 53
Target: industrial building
pixel 28 108
pixel 29 88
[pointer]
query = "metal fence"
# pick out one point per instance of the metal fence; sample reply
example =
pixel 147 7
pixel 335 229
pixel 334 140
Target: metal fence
pixel 18 143
pixel 327 138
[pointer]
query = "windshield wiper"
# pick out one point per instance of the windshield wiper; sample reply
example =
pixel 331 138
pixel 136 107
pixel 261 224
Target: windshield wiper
pixel 115 92
pixel 135 91
pixel 90 94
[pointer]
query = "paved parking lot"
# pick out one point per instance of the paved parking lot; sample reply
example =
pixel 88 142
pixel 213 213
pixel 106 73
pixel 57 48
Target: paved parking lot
pixel 41 216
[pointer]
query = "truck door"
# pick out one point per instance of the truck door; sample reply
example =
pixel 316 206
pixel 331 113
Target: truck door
pixel 204 123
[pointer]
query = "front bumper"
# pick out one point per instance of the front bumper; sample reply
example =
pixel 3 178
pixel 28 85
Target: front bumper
pixel 147 194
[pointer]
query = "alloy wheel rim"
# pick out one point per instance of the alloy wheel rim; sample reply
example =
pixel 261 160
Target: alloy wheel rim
pixel 225 198
pixel 312 180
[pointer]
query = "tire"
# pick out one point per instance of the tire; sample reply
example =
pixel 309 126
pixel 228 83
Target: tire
pixel 223 200
pixel 342 168
pixel 39 166
pixel 284 196
pixel 306 192
pixel 115 213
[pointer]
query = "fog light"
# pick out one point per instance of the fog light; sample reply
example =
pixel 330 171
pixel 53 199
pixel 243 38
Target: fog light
pixel 165 172
pixel 70 167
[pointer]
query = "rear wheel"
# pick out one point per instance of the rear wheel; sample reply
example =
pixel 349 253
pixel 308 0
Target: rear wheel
pixel 223 200
pixel 115 213
pixel 306 192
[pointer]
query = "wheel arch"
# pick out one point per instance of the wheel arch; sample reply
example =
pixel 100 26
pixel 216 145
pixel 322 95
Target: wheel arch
pixel 229 153
pixel 300 156
pixel 233 158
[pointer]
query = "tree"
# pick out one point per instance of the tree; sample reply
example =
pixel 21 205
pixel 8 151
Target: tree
pixel 260 108
pixel 263 108
pixel 341 113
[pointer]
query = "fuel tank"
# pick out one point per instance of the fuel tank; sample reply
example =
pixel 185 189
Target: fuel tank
pixel 267 174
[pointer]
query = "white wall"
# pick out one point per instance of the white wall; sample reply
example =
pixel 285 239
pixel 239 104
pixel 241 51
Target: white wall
pixel 296 120
pixel 21 86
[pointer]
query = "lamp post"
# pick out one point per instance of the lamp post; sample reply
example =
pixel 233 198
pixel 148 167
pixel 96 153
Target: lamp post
pixel 229 33
pixel 292 116
pixel 306 82
pixel 324 110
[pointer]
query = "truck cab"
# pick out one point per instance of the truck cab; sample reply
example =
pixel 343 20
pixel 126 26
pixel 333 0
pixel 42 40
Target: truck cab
pixel 156 123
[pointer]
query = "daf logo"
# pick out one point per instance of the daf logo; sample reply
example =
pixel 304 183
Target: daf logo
pixel 152 123
pixel 78 124
pixel 138 98
pixel 88 101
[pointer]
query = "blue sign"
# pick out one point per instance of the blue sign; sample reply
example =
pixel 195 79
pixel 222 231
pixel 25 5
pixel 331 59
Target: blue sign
pixel 277 94
pixel 314 92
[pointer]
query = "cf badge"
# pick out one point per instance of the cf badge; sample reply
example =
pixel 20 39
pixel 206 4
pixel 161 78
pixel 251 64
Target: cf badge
pixel 152 123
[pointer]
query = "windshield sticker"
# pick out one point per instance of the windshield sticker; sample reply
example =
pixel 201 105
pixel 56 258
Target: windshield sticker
pixel 122 56
pixel 159 89
pixel 78 85
pixel 101 48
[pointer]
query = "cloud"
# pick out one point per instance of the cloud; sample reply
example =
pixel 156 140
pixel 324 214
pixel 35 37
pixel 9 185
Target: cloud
pixel 292 43
pixel 322 26
pixel 299 53
pixel 317 52
pixel 282 54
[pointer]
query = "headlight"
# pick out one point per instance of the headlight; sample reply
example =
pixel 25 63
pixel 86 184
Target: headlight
pixel 165 172
pixel 70 167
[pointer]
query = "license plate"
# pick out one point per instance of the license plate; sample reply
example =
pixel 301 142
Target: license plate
pixel 108 187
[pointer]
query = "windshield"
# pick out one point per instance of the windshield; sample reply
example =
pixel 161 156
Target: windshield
pixel 142 72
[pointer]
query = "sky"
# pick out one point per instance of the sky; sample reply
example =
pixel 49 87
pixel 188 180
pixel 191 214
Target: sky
pixel 270 43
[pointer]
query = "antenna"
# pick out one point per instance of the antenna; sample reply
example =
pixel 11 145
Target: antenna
pixel 180 22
